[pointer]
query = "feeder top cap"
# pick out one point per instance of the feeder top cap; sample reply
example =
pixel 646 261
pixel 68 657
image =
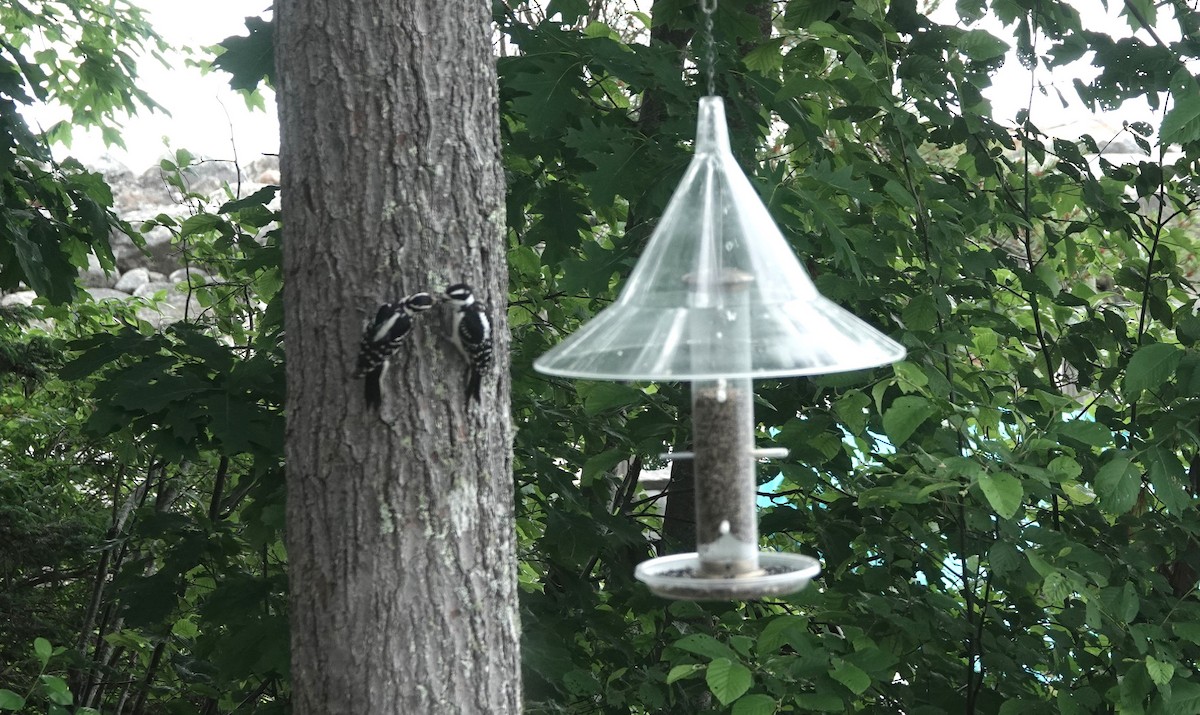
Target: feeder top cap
pixel 718 292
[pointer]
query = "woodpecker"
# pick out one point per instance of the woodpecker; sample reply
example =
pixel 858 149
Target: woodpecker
pixel 392 323
pixel 472 335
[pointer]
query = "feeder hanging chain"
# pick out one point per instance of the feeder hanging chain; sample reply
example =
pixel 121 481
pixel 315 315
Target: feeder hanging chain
pixel 709 8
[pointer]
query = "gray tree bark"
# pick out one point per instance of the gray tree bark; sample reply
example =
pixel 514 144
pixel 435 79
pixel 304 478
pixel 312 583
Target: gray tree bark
pixel 399 523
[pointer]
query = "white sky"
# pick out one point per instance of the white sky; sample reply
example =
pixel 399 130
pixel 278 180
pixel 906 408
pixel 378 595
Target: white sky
pixel 206 116
pixel 1010 91
pixel 209 119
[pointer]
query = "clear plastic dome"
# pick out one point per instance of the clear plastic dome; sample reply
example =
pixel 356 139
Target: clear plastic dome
pixel 718 293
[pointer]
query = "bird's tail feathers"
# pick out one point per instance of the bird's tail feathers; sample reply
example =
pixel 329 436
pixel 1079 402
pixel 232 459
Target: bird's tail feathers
pixel 474 382
pixel 372 389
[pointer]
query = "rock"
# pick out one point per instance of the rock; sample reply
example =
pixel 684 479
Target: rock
pixel 24 297
pixel 161 314
pixel 266 162
pixel 262 171
pixel 123 250
pixel 140 197
pixel 147 195
pixel 158 236
pixel 112 169
pixel 149 288
pixel 132 280
pixel 198 277
pixel 209 176
pixel 159 255
pixel 174 296
pixel 99 294
pixel 94 276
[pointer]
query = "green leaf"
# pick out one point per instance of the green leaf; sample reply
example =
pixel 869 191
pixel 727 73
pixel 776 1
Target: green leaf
pixel 851 676
pixel 263 644
pixel 1182 123
pixel 872 658
pixel 235 422
pixel 126 639
pixel 1003 492
pixel 147 386
pixel 1127 606
pixel 617 157
pixel 581 682
pixel 570 10
pixel 249 59
pixel 1190 631
pixel 705 645
pixel 1167 476
pixel 1150 367
pixel 215 356
pixel 99 352
pixel 549 87
pixel 1064 468
pixel 10 700
pixel 851 408
pixel 766 57
pixel 1160 672
pixel 680 672
pixel 824 216
pixel 784 630
pixel 259 198
pixel 57 690
pixel 1117 483
pixel 601 396
pixel 42 649
pixel 803 13
pixel 235 597
pixel 755 704
pixel 601 463
pixel 1185 698
pixel 599 29
pixel 1056 588
pixel 185 628
pixel 728 680
pixel 39 253
pixel 147 601
pixel 1004 557
pixel 200 223
pixel 1067 705
pixel 920 313
pixel 1078 493
pixel 561 224
pixel 910 377
pixel 904 416
pixel 981 45
pixel 820 701
pixel 1087 432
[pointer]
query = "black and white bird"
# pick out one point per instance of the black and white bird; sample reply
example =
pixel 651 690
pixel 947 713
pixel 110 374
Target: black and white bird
pixel 382 337
pixel 471 334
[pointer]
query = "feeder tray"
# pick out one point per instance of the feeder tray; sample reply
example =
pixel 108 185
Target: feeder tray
pixel 681 576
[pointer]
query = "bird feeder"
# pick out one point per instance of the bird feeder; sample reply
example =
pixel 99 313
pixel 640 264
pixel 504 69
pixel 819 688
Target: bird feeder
pixel 719 299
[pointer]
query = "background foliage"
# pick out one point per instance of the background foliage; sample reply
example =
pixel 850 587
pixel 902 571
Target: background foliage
pixel 1007 520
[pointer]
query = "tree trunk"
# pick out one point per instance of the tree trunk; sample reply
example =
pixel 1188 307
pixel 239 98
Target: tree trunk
pixel 679 518
pixel 399 522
